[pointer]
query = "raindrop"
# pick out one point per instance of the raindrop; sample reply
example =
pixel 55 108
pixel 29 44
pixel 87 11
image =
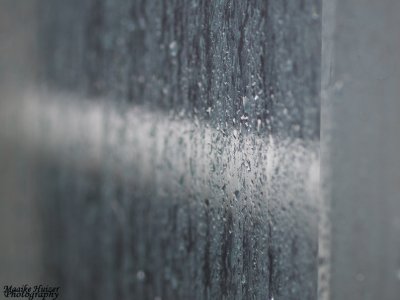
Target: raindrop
pixel 258 125
pixel 244 279
pixel 173 48
pixel 289 65
pixel 140 275
pixel 248 166
pixel 246 103
pixel 244 100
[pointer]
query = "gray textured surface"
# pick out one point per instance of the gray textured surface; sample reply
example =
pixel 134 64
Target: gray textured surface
pixel 202 57
pixel 176 148
pixel 152 206
pixel 361 134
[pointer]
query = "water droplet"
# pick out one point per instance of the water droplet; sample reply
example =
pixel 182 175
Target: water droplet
pixel 258 125
pixel 244 100
pixel 173 48
pixel 140 275
pixel 248 166
pixel 289 65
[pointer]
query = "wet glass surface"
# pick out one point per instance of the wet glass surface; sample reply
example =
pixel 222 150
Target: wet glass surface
pixel 174 148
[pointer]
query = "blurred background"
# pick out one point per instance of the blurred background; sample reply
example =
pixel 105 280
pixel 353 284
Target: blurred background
pixel 20 233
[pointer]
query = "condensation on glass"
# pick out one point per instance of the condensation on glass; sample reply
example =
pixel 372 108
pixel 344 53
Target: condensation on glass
pixel 174 148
